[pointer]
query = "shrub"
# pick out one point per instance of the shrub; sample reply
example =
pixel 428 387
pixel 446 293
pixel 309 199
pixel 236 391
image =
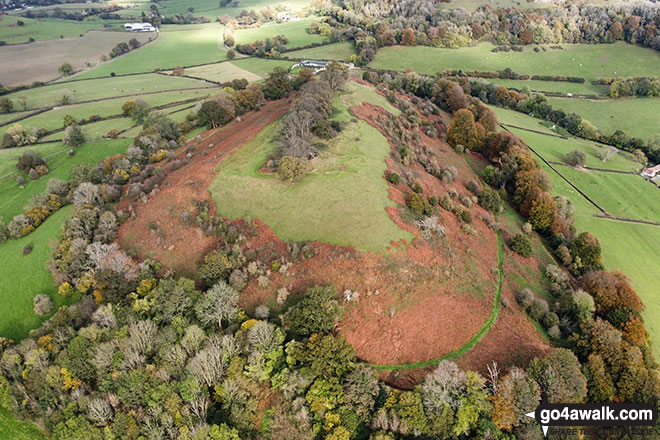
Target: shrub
pixel 418 204
pixel 417 187
pixel 33 174
pixel 113 133
pixel 576 158
pixel 291 169
pixel 549 319
pixel 521 245
pixel 394 178
pixel 73 136
pixel 464 215
pixel 43 305
pixel 490 200
pixel 433 200
pixel 6 105
pixel 446 203
pixel 317 312
pixel 216 266
pixel 472 186
pixel 525 298
pixel 538 308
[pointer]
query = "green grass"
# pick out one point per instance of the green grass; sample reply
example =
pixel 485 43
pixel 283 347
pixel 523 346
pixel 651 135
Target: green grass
pixel 22 277
pixel 13 429
pixel 638 117
pixel 586 88
pixel 512 117
pixel 555 149
pixel 13 199
pixel 205 8
pixel 53 119
pixel 260 66
pixel 583 60
pixel 342 201
pixel 336 51
pixel 101 88
pixel 295 32
pixel 42 29
pixel 222 72
pixel 177 46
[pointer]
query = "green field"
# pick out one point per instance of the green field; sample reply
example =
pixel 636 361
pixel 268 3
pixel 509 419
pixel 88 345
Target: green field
pixel 342 201
pixel 638 117
pixel 22 277
pixel 13 429
pixel 13 199
pixel 205 8
pixel 43 28
pixel 588 61
pixel 221 72
pixel 261 66
pixel 177 46
pixel 336 51
pixel 295 32
pixel 628 247
pixel 564 87
pixel 102 88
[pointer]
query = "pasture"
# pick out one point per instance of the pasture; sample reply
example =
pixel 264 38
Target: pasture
pixel 177 46
pixel 205 8
pixel 564 87
pixel 14 429
pixel 27 63
pixel 261 66
pixel 221 72
pixel 638 117
pixel 101 88
pixel 588 61
pixel 22 277
pixel 349 175
pixel 335 51
pixel 43 28
pixel 294 31
pixel 629 247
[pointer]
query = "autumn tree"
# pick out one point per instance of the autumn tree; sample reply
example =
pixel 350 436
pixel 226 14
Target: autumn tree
pixel 408 37
pixel 464 131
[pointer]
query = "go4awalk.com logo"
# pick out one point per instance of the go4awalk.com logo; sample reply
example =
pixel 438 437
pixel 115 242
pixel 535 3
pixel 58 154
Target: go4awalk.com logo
pixel 586 415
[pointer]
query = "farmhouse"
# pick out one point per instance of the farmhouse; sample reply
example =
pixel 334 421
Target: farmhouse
pixel 139 27
pixel 650 173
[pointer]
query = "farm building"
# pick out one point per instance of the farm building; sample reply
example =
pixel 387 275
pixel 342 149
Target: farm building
pixel 139 27
pixel 313 64
pixel 650 173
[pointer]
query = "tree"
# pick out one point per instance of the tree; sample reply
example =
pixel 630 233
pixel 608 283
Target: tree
pixel 560 376
pixel 317 312
pixel 277 85
pixel 218 304
pixel 6 105
pixel 521 245
pixel 28 160
pixel 65 69
pixel 616 30
pixel 517 394
pixel 585 251
pixel 215 113
pixel 231 54
pixel 73 136
pixel 490 199
pixel 43 305
pixel 216 267
pixel 464 131
pixel 576 158
pixel 542 212
pixel 408 37
pixel 291 169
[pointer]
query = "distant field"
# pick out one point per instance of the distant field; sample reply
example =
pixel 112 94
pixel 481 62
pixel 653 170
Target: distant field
pixel 177 46
pixel 222 72
pixel 472 5
pixel 336 51
pixel 638 117
pixel 13 199
pixel 205 8
pixel 101 88
pixel 26 63
pixel 22 277
pixel 295 32
pixel 631 248
pixel 348 175
pixel 586 88
pixel 261 66
pixel 13 429
pixel 44 28
pixel 588 61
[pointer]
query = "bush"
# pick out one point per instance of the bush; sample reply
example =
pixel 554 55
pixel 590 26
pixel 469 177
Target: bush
pixel 43 305
pixel 446 203
pixel 216 267
pixel 521 245
pixel 113 133
pixel 394 178
pixel 291 169
pixel 317 312
pixel 433 200
pixel 538 309
pixel 472 186
pixel 73 136
pixel 464 215
pixel 549 319
pixel 418 204
pixel 525 298
pixel 490 200
pixel 576 158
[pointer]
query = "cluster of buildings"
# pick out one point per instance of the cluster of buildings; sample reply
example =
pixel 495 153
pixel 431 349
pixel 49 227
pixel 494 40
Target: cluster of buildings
pixel 139 27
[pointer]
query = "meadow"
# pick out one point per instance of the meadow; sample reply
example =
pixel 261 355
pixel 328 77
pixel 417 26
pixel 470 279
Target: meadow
pixel 205 8
pixel 261 66
pixel 43 28
pixel 349 175
pixel 14 429
pixel 335 51
pixel 564 87
pixel 101 88
pixel 295 32
pixel 628 247
pixel 638 117
pixel 588 61
pixel 221 72
pixel 26 63
pixel 176 46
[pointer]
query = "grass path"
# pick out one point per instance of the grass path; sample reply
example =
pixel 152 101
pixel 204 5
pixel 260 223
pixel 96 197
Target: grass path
pixel 474 340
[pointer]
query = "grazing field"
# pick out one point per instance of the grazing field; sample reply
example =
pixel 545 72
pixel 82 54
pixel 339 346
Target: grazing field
pixel 555 149
pixel 221 72
pixel 349 175
pixel 638 117
pixel 13 198
pixel 177 46
pixel 26 63
pixel 261 66
pixel 588 61
pixel 629 247
pixel 294 31
pixel 101 88
pixel 13 429
pixel 43 28
pixel 204 8
pixel 586 88
pixel 336 51
pixel 22 277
